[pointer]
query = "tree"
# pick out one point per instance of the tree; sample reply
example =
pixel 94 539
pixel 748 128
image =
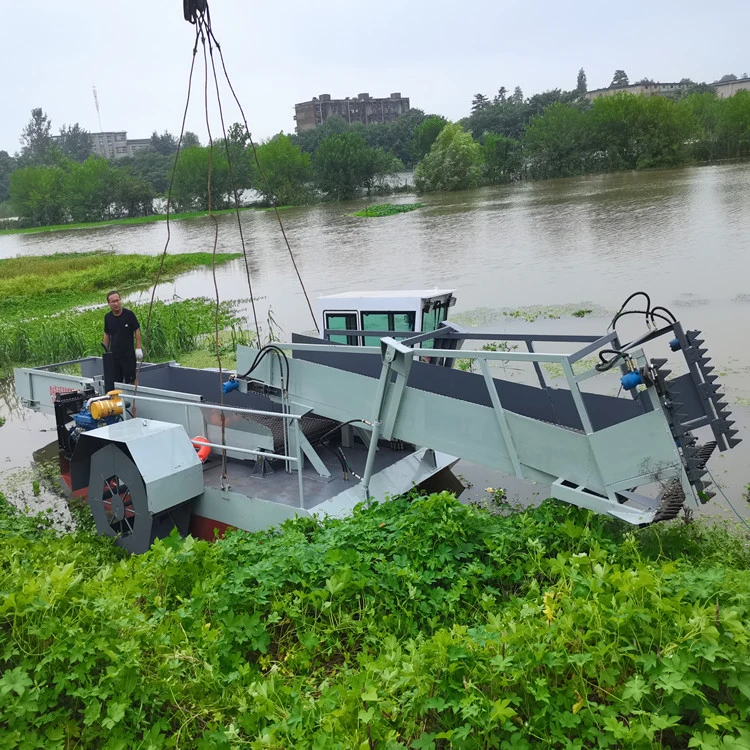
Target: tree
pixel 728 77
pixel 37 196
pixel 517 96
pixel 539 102
pixel 133 195
pixel 75 142
pixel 343 165
pixel 191 179
pixel 89 189
pixel 503 159
pixel 310 140
pixel 237 156
pixel 189 139
pixel 555 142
pixel 7 165
pixel 506 118
pixel 500 96
pixel 396 136
pixel 688 87
pixel 454 162
pixel 286 168
pixel 733 125
pixel 480 101
pixel 164 144
pixel 154 168
pixel 645 82
pixel 581 84
pixel 35 138
pixel 635 132
pixel 425 135
pixel 619 79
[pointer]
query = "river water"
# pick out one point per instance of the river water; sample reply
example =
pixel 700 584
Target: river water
pixel 681 235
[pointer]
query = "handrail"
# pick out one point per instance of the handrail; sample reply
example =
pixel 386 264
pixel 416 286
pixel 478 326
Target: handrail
pixel 204 405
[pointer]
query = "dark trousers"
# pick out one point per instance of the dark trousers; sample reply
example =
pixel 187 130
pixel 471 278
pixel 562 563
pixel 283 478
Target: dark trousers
pixel 124 368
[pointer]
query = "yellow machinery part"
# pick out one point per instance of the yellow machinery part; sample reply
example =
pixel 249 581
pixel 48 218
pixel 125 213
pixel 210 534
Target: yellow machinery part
pixel 107 407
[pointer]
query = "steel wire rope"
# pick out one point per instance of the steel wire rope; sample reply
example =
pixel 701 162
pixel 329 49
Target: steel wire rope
pixel 265 179
pixel 222 418
pixel 169 203
pixel 232 180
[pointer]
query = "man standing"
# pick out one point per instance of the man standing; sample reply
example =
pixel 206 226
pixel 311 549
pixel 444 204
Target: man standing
pixel 120 328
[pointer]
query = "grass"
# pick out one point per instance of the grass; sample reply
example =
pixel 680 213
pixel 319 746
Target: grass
pixel 34 286
pixel 113 222
pixel 417 623
pixel 388 209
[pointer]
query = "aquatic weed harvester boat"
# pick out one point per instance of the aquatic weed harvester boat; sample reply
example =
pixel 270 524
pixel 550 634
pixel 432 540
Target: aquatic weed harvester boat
pixel 375 407
pixel 313 427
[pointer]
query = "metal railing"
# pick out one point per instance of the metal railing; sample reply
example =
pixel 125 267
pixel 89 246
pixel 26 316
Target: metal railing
pixel 294 419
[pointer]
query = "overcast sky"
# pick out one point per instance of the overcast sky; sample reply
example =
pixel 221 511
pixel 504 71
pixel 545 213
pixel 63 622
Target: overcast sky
pixel 438 53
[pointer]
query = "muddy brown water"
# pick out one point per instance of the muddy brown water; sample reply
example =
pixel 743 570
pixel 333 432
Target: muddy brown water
pixel 681 235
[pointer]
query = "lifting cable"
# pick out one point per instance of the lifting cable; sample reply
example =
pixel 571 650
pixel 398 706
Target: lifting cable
pixel 197 13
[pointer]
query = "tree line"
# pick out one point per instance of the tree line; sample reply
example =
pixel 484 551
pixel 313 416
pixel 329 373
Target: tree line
pixel 504 138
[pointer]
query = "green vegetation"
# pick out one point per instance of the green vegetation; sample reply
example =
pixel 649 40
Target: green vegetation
pixel 286 175
pixel 344 165
pixel 419 623
pixel 388 209
pixel 39 326
pixel 509 137
pixel 31 286
pixel 454 162
pixel 175 328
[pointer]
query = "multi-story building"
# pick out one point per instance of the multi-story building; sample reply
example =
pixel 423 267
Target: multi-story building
pixel 642 89
pixel 728 88
pixel 115 144
pixel 361 108
pixel 112 145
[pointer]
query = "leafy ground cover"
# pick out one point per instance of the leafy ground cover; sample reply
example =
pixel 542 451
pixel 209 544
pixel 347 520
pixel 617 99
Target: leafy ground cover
pixel 420 623
pixel 388 209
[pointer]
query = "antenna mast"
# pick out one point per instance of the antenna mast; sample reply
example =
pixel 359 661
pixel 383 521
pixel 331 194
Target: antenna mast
pixel 98 114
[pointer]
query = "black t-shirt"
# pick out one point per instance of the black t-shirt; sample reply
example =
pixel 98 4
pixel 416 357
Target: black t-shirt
pixel 121 329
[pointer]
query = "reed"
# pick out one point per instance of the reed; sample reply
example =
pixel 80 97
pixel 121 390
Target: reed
pixel 175 329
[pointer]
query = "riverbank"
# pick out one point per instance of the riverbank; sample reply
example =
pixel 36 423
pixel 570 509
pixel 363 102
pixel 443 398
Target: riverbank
pixel 130 221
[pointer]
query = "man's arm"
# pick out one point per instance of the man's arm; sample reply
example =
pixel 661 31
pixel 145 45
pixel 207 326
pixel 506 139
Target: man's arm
pixel 138 339
pixel 106 341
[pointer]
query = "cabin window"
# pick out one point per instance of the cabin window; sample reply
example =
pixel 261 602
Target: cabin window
pixel 432 316
pixel 342 322
pixel 386 321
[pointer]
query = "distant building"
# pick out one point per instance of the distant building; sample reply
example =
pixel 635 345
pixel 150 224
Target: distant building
pixel 362 108
pixel 642 89
pixel 727 88
pixel 115 144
